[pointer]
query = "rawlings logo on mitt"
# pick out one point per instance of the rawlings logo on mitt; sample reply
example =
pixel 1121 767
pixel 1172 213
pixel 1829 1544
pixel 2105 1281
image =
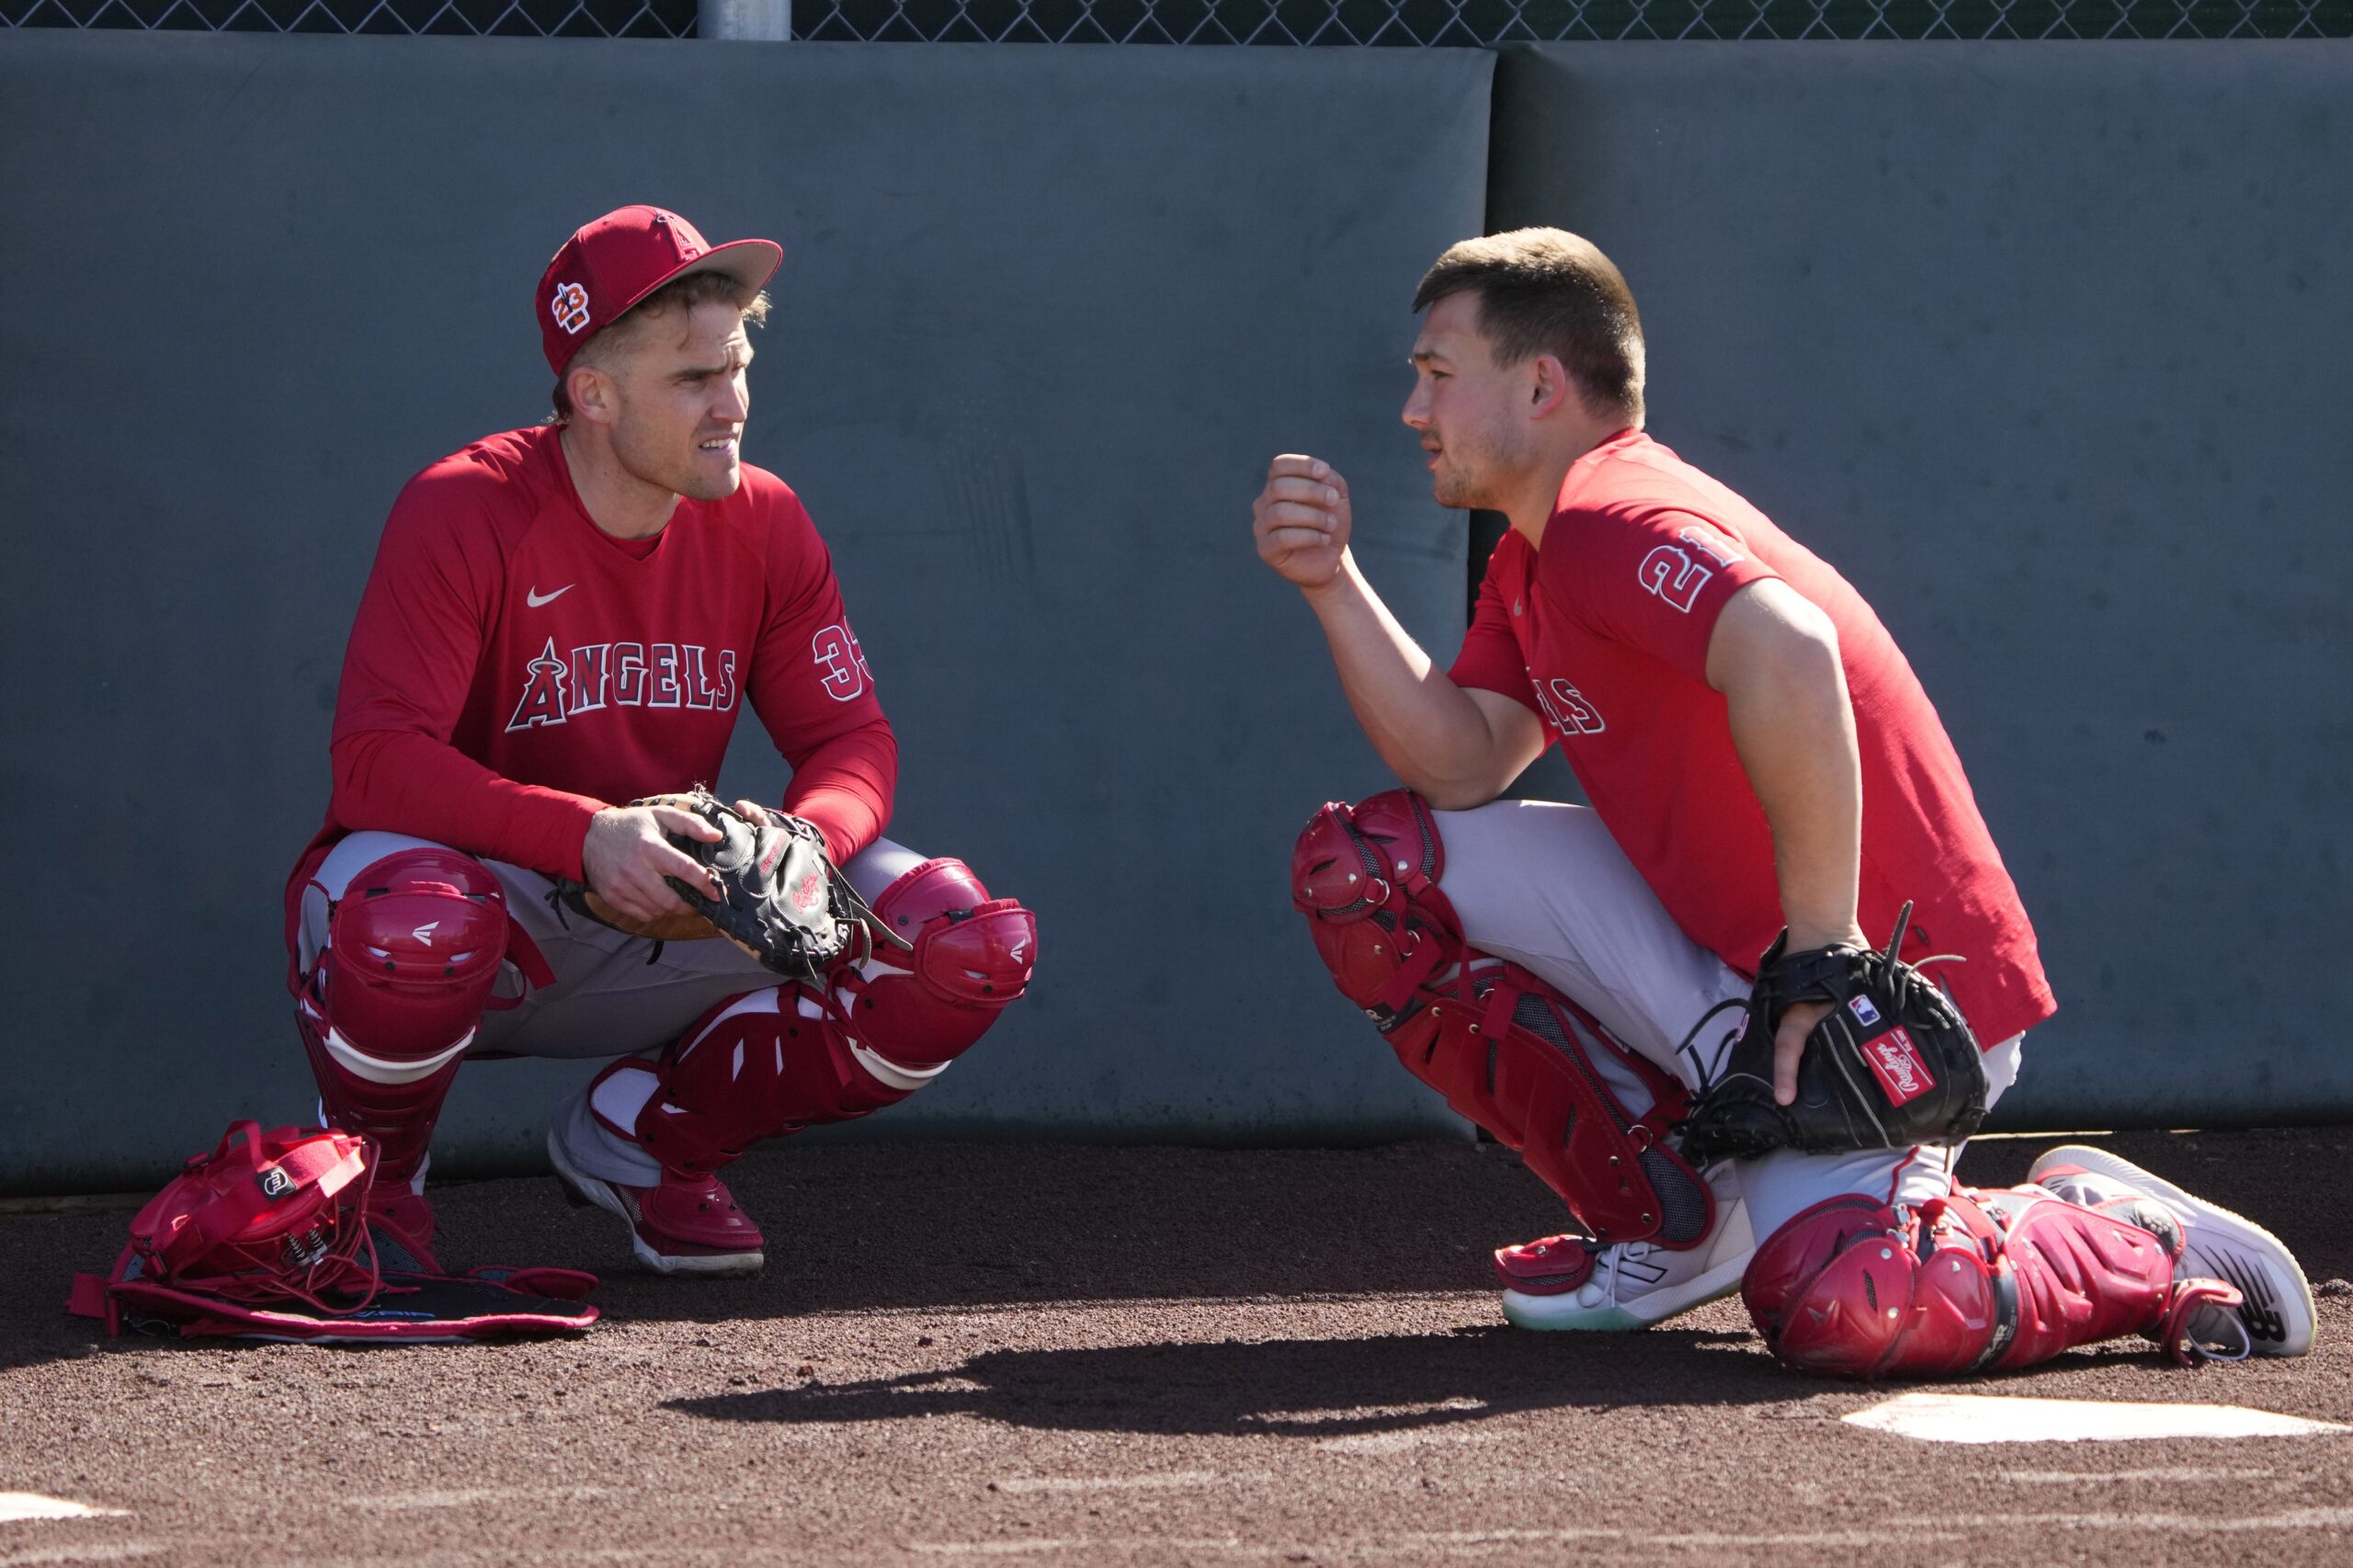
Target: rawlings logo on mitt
pixel 780 899
pixel 1892 1065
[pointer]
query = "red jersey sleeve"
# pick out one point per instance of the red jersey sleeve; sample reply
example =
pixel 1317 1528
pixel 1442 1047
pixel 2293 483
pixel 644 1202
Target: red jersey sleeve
pixel 811 689
pixel 1653 578
pixel 1491 658
pixel 412 659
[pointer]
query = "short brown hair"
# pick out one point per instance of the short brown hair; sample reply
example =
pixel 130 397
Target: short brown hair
pixel 680 294
pixel 1549 291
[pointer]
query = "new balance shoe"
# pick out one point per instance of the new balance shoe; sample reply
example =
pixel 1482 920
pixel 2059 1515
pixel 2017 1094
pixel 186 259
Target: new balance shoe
pixel 679 1225
pixel 2278 1312
pixel 1558 1283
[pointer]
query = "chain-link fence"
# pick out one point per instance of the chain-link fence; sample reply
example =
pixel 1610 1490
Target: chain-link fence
pixel 1378 22
pixel 1471 22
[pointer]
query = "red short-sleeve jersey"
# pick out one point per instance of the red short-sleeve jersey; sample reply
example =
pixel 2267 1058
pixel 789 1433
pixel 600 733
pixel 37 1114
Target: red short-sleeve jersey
pixel 1604 631
pixel 513 669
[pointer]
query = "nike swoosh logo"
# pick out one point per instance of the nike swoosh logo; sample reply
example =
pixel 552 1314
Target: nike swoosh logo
pixel 535 599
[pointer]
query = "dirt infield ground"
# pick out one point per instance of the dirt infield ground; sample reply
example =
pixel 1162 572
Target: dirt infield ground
pixel 1130 1356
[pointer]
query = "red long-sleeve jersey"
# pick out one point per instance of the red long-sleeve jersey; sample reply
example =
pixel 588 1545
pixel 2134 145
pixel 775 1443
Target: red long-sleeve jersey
pixel 513 669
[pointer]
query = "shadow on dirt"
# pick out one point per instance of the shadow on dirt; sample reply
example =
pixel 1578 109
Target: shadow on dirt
pixel 1321 1389
pixel 897 1227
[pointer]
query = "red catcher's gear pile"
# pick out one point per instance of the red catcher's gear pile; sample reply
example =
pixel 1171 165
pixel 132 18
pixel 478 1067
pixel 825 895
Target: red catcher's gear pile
pixel 269 1237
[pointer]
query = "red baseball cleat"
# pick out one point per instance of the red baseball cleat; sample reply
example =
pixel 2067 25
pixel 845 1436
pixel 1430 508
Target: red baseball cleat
pixel 681 1226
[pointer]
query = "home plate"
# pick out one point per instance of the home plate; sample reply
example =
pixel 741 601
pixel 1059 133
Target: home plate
pixel 33 1505
pixel 1996 1418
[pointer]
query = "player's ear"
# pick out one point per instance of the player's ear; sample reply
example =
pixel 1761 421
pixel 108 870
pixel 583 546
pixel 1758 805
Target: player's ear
pixel 1549 385
pixel 592 394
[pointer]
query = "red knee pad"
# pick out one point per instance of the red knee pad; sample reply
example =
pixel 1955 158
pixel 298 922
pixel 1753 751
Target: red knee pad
pixel 1365 876
pixel 972 957
pixel 414 946
pixel 1979 1280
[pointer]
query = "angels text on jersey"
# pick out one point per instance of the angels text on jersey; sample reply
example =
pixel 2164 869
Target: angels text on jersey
pixel 559 686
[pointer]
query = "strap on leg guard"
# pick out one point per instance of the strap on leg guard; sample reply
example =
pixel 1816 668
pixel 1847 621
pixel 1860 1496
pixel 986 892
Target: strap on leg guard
pixel 1982 1281
pixel 1505 1047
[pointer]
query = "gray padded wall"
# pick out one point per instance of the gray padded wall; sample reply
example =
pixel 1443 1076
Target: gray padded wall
pixel 2046 344
pixel 1044 316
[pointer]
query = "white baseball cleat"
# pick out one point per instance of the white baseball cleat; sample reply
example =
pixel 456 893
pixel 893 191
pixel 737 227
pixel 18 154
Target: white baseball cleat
pixel 2278 1315
pixel 1631 1284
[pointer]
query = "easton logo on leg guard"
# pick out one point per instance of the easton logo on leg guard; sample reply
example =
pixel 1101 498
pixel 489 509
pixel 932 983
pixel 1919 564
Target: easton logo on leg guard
pixel 1896 1062
pixel 273 1182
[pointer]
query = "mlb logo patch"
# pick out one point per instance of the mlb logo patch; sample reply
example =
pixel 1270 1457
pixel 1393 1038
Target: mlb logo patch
pixel 1865 1012
pixel 1895 1062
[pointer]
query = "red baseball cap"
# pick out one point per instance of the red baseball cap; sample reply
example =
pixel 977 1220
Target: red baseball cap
pixel 624 255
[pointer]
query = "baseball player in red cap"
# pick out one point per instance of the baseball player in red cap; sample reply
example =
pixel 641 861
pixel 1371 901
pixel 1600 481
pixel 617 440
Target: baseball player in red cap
pixel 1760 758
pixel 562 620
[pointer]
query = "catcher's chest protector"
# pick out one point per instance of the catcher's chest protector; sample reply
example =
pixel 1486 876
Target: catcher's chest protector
pixel 1982 1281
pixel 1505 1047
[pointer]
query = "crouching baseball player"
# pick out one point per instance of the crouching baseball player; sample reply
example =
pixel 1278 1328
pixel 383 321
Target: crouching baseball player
pixel 561 627
pixel 1765 772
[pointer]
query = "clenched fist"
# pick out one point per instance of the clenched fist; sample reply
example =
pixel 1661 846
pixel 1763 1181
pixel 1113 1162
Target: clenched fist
pixel 1301 520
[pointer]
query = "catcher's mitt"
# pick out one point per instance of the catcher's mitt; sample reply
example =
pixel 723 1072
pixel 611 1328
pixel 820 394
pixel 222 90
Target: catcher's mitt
pixel 1894 1064
pixel 781 900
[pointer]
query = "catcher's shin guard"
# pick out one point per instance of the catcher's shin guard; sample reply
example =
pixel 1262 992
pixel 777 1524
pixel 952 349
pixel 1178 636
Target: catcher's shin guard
pixel 873 1033
pixel 1982 1281
pixel 414 946
pixel 1506 1049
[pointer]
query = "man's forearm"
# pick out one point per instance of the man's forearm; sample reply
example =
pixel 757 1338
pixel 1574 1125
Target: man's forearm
pixel 1427 729
pixel 399 781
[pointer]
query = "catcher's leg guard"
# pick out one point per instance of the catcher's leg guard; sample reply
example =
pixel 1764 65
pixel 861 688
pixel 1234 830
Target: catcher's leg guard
pixel 1977 1281
pixel 414 946
pixel 1506 1049
pixel 777 1060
